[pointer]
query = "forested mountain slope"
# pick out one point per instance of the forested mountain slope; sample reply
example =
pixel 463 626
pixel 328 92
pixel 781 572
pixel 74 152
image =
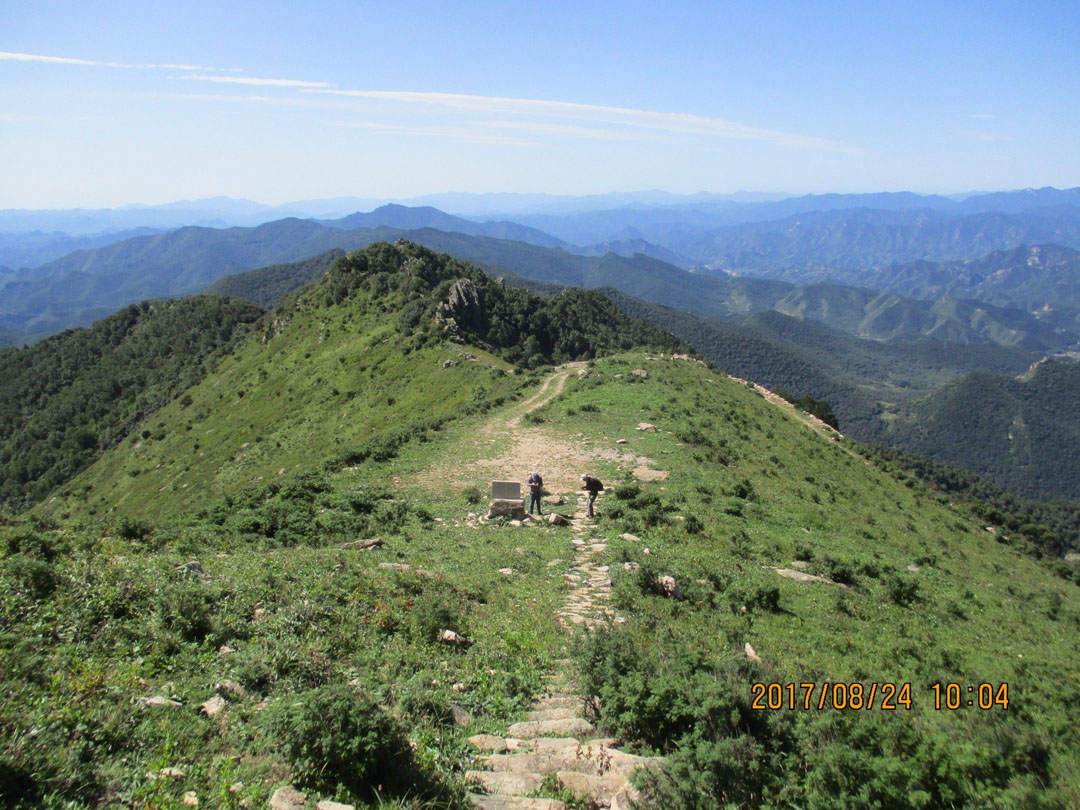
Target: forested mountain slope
pixel 74 395
pixel 1022 433
pixel 1029 278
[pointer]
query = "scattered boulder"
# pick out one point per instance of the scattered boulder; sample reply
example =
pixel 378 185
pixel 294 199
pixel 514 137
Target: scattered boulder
pixel 214 706
pixel 648 428
pixel 620 441
pixel 326 804
pixel 506 572
pixel 225 649
pixel 556 519
pixel 751 653
pixel 461 717
pixel 158 700
pixel 231 687
pixel 396 566
pixel 630 538
pixel 288 798
pixel 190 799
pixel 189 568
pixel 555 500
pixel 669 587
pixel 453 639
pixel 364 545
pixel 631 566
pixel 640 372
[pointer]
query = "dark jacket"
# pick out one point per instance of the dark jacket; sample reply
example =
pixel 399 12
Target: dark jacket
pixel 594 485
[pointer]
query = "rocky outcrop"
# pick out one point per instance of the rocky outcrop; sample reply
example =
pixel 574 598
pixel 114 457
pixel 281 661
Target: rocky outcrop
pixel 462 308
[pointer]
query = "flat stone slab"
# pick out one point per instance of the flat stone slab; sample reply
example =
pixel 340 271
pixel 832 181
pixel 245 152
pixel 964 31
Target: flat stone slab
pixel 571 727
pixel 553 714
pixel 802 576
pixel 588 758
pixel 499 802
pixel 506 782
pixel 591 786
pixel 557 702
pixel 488 742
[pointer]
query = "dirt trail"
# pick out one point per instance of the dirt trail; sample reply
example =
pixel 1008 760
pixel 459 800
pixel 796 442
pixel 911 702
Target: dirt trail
pixel 544 395
pixel 510 449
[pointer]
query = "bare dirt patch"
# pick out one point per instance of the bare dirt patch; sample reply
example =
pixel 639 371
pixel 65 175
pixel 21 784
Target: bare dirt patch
pixel 517 449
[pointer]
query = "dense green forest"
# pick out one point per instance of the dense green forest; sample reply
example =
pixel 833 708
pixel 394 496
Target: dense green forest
pixel 1022 433
pixel 430 289
pixel 266 286
pixel 72 396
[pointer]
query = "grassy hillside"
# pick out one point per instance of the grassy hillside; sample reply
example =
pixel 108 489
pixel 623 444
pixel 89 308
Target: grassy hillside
pixel 67 399
pixel 335 658
pixel 350 367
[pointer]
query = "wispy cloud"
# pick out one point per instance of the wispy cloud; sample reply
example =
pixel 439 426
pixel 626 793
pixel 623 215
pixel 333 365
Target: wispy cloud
pixel 686 123
pixel 69 60
pixel 253 81
pixel 592 133
pixel 470 134
pixel 567 119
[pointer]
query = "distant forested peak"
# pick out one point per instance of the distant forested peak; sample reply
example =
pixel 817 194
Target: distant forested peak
pixel 437 296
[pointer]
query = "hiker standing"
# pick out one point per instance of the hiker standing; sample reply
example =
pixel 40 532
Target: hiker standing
pixel 536 490
pixel 594 487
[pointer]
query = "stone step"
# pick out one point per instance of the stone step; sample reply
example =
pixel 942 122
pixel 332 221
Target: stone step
pixel 591 758
pixel 558 701
pixel 499 802
pixel 570 727
pixel 592 787
pixel 493 744
pixel 506 782
pixel 553 714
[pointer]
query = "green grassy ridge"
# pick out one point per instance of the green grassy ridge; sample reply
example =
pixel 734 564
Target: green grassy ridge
pixel 110 620
pixel 975 611
pixel 346 367
pixel 71 397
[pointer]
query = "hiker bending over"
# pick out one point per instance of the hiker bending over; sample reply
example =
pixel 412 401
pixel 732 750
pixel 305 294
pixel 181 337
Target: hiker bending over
pixel 536 489
pixel 594 486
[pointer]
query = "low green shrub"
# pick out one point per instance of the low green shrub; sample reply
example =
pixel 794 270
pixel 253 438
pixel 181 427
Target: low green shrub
pixel 338 735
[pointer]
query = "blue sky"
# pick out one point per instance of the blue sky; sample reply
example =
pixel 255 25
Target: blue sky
pixel 109 103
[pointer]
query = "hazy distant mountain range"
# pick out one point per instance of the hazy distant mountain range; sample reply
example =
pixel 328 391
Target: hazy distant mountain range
pixel 85 285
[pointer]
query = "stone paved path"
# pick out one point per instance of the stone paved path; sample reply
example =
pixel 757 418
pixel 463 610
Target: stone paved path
pixel 555 743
